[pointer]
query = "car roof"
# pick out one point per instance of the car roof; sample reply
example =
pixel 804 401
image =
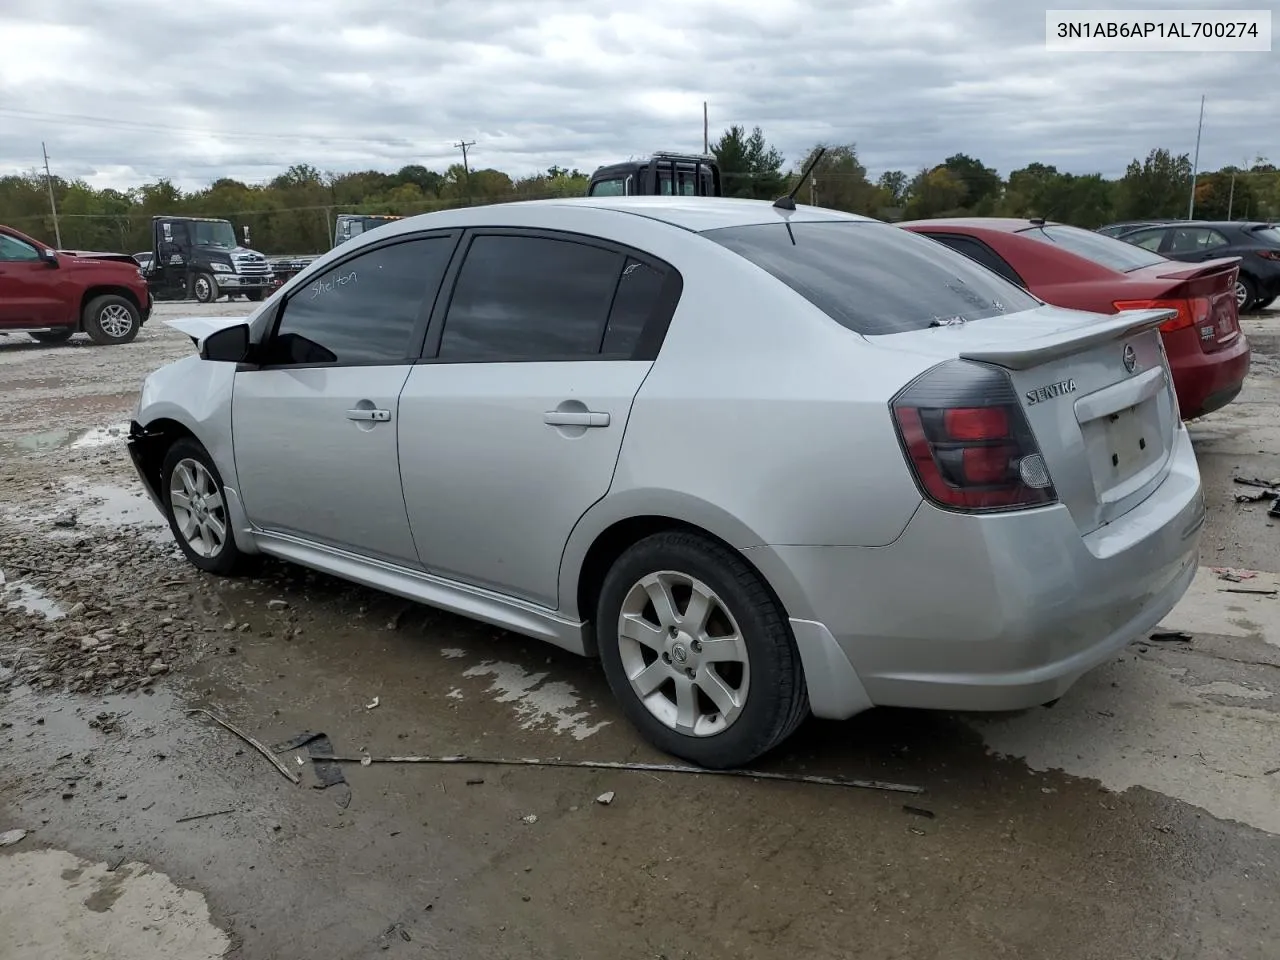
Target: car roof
pixel 695 214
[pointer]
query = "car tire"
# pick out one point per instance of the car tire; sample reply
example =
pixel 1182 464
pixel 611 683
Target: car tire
pixel 1246 294
pixel 1263 304
pixel 111 320
pixel 57 335
pixel 661 681
pixel 204 288
pixel 195 505
pixel 255 295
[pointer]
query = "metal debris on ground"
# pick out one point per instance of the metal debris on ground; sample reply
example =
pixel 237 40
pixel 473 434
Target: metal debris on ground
pixel 320 750
pixel 372 704
pixel 475 781
pixel 605 798
pixel 1261 489
pixel 10 837
pixel 530 818
pixel 1234 576
pixel 365 760
pixel 918 811
pixel 204 816
pixel 1259 591
pixel 1172 635
pixel 256 744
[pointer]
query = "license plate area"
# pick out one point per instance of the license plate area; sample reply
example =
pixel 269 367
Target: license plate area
pixel 1124 447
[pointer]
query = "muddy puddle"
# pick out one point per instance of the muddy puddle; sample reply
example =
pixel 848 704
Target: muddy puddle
pixel 73 439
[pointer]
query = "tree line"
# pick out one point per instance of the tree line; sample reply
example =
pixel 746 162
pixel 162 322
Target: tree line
pixel 293 213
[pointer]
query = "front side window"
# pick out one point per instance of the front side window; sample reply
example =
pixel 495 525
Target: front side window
pixel 365 310
pixel 14 250
pixel 530 298
pixel 1118 255
pixel 1146 239
pixel 874 278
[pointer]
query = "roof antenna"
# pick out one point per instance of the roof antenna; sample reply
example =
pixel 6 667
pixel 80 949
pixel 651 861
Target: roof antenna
pixel 789 201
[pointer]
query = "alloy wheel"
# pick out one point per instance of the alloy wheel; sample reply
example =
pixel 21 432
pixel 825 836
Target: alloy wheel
pixel 683 653
pixel 198 507
pixel 115 320
pixel 1242 295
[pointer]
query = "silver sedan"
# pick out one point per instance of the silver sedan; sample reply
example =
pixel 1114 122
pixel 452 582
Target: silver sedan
pixel 760 461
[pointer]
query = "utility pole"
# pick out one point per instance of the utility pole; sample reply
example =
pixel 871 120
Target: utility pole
pixel 48 179
pixel 706 144
pixel 813 183
pixel 1195 166
pixel 465 168
pixel 1231 197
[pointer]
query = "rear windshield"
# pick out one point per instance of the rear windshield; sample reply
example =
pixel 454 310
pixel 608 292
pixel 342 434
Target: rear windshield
pixel 1104 251
pixel 874 278
pixel 1268 235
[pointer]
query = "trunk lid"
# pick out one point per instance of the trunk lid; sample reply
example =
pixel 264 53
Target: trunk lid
pixel 1096 391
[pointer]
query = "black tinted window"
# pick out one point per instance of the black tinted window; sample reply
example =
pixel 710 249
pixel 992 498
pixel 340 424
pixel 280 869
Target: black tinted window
pixel 530 298
pixel 365 309
pixel 874 278
pixel 979 251
pixel 1104 251
pixel 639 294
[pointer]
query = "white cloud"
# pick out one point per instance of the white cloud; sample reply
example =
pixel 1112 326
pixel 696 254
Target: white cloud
pixel 138 89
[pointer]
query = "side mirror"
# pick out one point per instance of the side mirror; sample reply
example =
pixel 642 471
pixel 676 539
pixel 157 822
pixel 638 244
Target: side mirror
pixel 230 345
pixel 49 256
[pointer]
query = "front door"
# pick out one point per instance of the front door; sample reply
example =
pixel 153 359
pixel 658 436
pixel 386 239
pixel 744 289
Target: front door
pixel 315 425
pixel 513 430
pixel 29 295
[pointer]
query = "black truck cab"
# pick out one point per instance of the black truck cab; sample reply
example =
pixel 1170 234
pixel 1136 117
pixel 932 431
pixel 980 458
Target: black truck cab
pixel 200 258
pixel 663 174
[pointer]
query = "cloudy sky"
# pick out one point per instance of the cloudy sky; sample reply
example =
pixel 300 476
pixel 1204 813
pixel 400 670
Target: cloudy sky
pixel 127 91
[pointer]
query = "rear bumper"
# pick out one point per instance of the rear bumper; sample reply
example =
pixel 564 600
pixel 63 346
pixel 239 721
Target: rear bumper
pixel 1203 381
pixel 993 613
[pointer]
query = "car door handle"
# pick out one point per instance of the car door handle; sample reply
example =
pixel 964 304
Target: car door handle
pixel 575 418
pixel 378 416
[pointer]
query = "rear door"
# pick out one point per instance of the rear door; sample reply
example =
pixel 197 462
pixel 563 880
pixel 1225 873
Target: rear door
pixel 315 426
pixel 511 428
pixel 29 287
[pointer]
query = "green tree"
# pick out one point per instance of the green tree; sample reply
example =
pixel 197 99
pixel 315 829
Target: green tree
pixel 935 193
pixel 894 183
pixel 982 184
pixel 839 181
pixel 1159 186
pixel 749 165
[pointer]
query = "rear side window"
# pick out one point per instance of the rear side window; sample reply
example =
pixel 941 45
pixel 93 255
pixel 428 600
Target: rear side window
pixel 530 298
pixel 874 278
pixel 609 188
pixel 979 251
pixel 1104 251
pixel 364 310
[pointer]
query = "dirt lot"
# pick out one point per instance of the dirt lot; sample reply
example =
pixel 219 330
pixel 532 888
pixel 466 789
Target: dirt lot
pixel 1139 817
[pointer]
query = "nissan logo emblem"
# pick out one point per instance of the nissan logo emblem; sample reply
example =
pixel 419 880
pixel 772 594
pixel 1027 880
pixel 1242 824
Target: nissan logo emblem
pixel 1130 358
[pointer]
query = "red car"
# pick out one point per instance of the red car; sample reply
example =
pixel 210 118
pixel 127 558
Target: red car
pixel 1083 270
pixel 52 295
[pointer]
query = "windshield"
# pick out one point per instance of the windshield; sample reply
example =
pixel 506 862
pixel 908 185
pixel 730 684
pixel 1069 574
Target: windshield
pixel 1268 235
pixel 874 278
pixel 1104 251
pixel 213 233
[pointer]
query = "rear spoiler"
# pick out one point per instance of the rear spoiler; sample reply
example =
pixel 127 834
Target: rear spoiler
pixel 1203 269
pixel 1054 346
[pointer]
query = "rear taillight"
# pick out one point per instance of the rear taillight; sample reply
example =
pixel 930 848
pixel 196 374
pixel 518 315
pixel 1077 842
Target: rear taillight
pixel 1268 254
pixel 1190 312
pixel 968 441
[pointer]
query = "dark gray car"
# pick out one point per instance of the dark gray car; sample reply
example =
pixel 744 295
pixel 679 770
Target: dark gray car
pixel 1256 244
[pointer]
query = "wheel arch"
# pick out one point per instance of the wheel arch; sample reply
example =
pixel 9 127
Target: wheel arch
pixel 617 522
